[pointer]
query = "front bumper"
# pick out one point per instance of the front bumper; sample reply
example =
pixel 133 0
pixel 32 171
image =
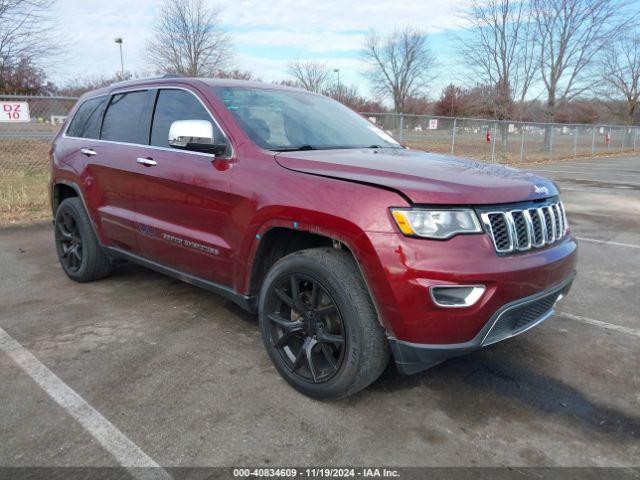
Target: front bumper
pixel 409 267
pixel 510 320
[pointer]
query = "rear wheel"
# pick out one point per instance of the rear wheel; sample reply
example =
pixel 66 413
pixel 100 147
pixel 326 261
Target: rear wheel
pixel 79 252
pixel 319 325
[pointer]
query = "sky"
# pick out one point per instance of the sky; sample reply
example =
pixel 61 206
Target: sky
pixel 266 34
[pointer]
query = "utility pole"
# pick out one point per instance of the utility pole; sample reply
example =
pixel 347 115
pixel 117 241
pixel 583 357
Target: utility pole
pixel 338 89
pixel 118 40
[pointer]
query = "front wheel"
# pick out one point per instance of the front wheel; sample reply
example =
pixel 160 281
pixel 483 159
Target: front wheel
pixel 319 324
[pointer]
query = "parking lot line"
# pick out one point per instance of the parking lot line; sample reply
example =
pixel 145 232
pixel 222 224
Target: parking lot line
pixel 127 453
pixel 608 242
pixel 600 323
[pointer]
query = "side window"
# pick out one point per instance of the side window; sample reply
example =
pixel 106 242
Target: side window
pixel 86 121
pixel 173 105
pixel 126 118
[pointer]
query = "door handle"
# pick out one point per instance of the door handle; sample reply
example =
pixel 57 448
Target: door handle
pixel 147 162
pixel 88 152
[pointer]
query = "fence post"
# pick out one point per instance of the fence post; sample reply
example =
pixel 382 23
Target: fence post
pixel 624 134
pixel 522 143
pixel 635 134
pixel 551 142
pixel 593 141
pixel 493 143
pixel 401 128
pixel 575 142
pixel 453 137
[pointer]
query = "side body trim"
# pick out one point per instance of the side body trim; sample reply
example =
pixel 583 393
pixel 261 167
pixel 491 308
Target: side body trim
pixel 246 302
pixel 249 304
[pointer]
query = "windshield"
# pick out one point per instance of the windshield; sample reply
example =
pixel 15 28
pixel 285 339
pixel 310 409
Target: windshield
pixel 289 120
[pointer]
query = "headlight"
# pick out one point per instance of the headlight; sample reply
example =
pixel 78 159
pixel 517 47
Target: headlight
pixel 439 224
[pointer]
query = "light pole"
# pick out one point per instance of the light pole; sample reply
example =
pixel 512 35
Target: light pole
pixel 118 40
pixel 338 90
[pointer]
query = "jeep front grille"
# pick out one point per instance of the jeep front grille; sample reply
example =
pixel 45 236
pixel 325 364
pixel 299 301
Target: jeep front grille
pixel 519 230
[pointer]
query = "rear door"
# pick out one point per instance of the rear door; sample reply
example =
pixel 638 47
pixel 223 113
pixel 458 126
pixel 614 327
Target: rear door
pixel 183 202
pixel 124 136
pixel 103 175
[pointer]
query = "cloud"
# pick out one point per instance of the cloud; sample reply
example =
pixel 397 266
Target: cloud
pixel 267 35
pixel 89 28
pixel 316 42
pixel 343 16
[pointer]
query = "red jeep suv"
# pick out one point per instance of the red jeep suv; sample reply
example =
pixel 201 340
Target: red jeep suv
pixel 349 247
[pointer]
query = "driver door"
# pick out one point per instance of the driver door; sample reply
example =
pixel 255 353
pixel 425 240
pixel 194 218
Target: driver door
pixel 183 203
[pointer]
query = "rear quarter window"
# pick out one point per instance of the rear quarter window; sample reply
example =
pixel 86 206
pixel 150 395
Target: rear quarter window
pixel 86 121
pixel 127 118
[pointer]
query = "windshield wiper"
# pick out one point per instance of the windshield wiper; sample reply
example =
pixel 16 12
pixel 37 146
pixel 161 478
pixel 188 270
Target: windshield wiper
pixel 384 146
pixel 294 149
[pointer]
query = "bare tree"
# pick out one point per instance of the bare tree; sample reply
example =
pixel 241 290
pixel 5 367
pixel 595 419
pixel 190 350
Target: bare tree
pixel 189 41
pixel 236 74
pixel 620 66
pixel 400 65
pixel 313 76
pixel 27 37
pixel 569 36
pixel 84 84
pixel 499 48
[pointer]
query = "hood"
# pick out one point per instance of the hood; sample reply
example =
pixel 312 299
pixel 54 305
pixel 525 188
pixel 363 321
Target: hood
pixel 425 178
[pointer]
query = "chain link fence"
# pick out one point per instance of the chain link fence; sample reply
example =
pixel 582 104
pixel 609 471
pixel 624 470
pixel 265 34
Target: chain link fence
pixel 27 126
pixel 25 144
pixel 25 139
pixel 507 142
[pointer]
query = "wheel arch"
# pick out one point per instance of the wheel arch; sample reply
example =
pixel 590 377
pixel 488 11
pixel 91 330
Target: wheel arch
pixel 62 189
pixel 281 238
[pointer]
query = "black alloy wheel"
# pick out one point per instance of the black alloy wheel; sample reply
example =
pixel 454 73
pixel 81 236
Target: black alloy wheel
pixel 79 252
pixel 306 328
pixel 69 241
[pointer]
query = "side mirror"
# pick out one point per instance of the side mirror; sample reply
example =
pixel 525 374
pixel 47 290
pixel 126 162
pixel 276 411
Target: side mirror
pixel 195 136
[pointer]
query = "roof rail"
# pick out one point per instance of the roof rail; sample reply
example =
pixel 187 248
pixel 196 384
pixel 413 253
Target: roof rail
pixel 133 80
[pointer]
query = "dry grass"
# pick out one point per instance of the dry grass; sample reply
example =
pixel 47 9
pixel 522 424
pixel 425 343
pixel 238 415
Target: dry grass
pixel 26 153
pixel 24 173
pixel 532 155
pixel 23 196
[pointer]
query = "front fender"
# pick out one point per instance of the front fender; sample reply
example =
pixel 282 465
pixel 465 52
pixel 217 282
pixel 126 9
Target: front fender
pixel 326 225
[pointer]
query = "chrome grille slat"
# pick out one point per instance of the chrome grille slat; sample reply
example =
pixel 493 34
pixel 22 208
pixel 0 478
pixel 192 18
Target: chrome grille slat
pixel 551 224
pixel 500 231
pixel 520 230
pixel 559 220
pixel 529 223
pixel 537 227
pixel 564 217
pixel 543 220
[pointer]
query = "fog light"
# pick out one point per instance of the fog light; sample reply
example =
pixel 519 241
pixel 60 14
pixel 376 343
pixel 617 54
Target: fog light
pixel 453 296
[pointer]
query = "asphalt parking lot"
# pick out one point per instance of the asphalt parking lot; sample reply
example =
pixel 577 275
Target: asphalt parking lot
pixel 180 377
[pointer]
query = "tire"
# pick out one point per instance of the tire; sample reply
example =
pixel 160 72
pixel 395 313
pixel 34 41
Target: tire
pixel 319 325
pixel 79 252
